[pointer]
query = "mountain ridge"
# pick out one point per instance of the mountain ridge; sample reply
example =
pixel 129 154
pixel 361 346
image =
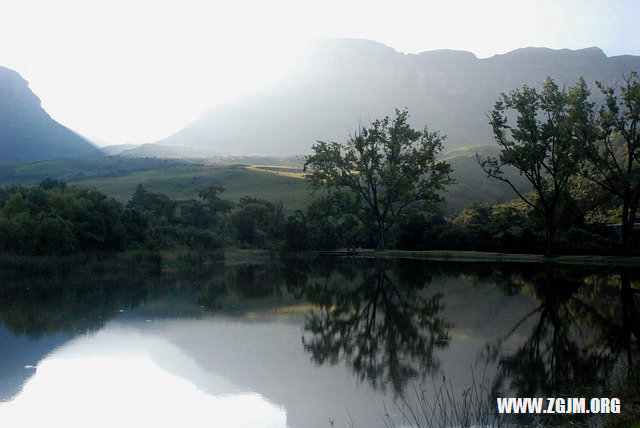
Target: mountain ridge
pixel 27 132
pixel 343 82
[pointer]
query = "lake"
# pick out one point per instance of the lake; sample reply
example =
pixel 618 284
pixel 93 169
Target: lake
pixel 194 341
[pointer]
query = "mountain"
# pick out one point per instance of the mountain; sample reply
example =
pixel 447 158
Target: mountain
pixel 341 83
pixel 27 132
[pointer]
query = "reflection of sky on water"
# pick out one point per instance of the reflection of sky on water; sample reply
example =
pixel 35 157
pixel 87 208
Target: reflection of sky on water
pixel 18 355
pixel 246 368
pixel 112 379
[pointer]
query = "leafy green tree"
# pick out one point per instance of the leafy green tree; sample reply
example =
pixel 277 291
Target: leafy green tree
pixel 52 183
pixel 57 219
pixel 614 156
pixel 258 221
pixel 296 233
pixel 250 222
pixel 381 173
pixel 503 228
pixel 211 196
pixel 543 145
pixel 156 205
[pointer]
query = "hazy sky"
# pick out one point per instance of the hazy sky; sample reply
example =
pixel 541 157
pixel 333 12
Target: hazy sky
pixel 137 71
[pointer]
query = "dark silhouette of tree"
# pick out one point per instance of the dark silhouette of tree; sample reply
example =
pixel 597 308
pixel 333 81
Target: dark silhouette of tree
pixel 381 173
pixel 211 196
pixel 614 156
pixel 385 331
pixel 543 145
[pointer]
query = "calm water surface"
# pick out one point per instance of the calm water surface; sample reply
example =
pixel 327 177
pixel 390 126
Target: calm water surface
pixel 191 342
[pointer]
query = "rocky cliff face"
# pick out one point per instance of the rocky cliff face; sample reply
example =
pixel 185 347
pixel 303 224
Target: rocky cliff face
pixel 27 132
pixel 341 83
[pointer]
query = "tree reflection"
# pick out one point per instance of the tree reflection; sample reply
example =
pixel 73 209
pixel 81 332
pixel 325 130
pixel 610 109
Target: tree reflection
pixel 625 337
pixel 79 294
pixel 385 330
pixel 585 326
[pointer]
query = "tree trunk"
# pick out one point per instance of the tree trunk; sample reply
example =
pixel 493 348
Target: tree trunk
pixel 627 226
pixel 632 223
pixel 381 239
pixel 550 235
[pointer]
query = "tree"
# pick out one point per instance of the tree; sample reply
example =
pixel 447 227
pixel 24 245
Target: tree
pixel 257 221
pixel 211 196
pixel 381 173
pixel 156 205
pixel 543 145
pixel 614 156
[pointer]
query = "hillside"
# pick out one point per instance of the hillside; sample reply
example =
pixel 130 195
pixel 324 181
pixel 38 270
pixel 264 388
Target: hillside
pixel 285 183
pixel 27 132
pixel 273 179
pixel 184 182
pixel 341 83
pixel 69 169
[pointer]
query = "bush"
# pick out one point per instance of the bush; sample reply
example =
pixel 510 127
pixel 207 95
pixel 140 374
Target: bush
pixel 583 242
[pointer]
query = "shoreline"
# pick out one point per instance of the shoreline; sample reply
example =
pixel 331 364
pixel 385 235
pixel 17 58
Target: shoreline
pixel 479 256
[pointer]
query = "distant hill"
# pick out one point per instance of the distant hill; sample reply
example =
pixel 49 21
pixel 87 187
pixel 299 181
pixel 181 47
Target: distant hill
pixel 340 83
pixel 27 132
pixel 168 151
pixel 116 149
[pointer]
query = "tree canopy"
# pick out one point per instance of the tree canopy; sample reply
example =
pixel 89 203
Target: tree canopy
pixel 544 144
pixel 383 172
pixel 614 154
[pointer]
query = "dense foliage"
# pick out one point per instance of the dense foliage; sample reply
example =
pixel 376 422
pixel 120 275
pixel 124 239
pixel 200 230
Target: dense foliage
pixel 543 144
pixel 384 172
pixel 54 218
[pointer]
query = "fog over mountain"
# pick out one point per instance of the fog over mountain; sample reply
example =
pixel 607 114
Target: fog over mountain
pixel 27 132
pixel 341 83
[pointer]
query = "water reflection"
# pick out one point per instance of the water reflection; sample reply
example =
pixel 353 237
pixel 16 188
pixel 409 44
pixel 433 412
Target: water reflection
pixel 116 378
pixel 535 329
pixel 582 336
pixel 386 330
pixel 581 325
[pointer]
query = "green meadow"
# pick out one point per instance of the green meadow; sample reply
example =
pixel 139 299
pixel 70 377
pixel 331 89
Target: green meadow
pixel 183 182
pixel 118 177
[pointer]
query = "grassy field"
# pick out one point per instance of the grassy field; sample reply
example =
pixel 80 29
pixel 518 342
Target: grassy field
pixel 287 171
pixel 31 173
pixel 183 182
pixel 118 177
pixel 277 183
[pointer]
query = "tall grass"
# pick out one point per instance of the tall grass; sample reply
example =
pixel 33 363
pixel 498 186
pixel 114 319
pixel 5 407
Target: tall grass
pixel 445 408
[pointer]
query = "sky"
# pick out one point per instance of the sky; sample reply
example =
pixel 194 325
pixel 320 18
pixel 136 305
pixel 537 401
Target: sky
pixel 137 71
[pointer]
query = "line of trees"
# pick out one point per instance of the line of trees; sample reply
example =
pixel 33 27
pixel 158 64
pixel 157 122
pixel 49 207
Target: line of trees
pixel 53 218
pixel 389 172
